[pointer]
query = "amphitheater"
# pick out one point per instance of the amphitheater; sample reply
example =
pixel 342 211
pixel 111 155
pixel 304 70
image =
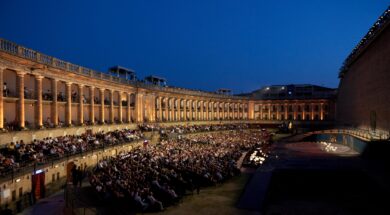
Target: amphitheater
pixel 337 145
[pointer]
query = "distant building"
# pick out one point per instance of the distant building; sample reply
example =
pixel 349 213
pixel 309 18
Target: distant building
pixel 293 91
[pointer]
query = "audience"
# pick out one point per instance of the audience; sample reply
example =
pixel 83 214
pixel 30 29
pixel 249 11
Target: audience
pixel 156 176
pixel 19 154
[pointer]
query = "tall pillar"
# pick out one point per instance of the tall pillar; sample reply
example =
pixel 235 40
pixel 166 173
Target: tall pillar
pixel 218 110
pixel 166 100
pixel 197 110
pixel 120 107
pixel 39 106
pixel 179 110
pixel 184 110
pixel 68 109
pixel 81 104
pixel 171 109
pixel 211 114
pixel 174 109
pixel 160 111
pixel 261 111
pixel 207 110
pixel 312 111
pixel 228 110
pixel 322 111
pixel 54 106
pixel 111 113
pixel 21 99
pixel 269 111
pixel 295 111
pixel 102 105
pixel 243 111
pixel 128 115
pixel 201 115
pixel 251 110
pixel 1 99
pixel 285 111
pixel 237 111
pixel 92 102
pixel 139 107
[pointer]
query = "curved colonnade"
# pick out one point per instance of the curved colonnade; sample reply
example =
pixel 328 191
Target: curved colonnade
pixel 42 91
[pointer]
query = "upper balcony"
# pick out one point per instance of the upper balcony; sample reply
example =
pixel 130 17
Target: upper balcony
pixel 29 54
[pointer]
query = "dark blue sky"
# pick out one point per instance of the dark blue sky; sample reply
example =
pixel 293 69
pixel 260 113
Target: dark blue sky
pixel 200 44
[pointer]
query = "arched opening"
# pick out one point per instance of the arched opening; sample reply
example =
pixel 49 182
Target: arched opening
pixel 116 107
pixel 97 99
pixel 86 100
pixel 75 95
pixel 47 98
pixel 10 106
pixel 132 106
pixel 61 99
pixel 107 104
pixel 30 100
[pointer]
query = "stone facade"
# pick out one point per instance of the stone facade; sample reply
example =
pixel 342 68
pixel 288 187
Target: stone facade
pixel 364 91
pixel 45 91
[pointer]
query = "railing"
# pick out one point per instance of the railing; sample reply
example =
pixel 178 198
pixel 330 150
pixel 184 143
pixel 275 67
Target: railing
pixel 378 26
pixel 20 51
pixel 28 166
pixel 360 133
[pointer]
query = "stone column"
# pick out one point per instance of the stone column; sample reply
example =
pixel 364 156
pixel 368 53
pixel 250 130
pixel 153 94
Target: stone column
pixel 295 111
pixel 81 104
pixel 228 110
pixel 184 110
pixel 54 106
pixel 173 112
pixel 207 111
pixel 261 111
pixel 160 112
pixel 102 105
pixel 269 111
pixel 236 111
pixel 139 107
pixel 190 111
pixel 211 114
pixel 243 111
pixel 1 99
pixel 218 110
pixel 251 110
pixel 322 111
pixel 196 110
pixel 128 108
pixel 285 111
pixel 312 111
pixel 21 99
pixel 39 106
pixel 68 109
pixel 179 110
pixel 120 107
pixel 92 101
pixel 201 115
pixel 111 114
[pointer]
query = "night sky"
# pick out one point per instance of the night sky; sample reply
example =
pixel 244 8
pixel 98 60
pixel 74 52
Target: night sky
pixel 202 44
